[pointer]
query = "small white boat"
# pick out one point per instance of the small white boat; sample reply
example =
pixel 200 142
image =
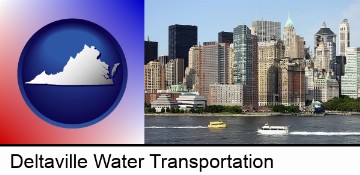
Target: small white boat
pixel 267 129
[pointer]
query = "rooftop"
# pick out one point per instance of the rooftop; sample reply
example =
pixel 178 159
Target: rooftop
pixel 324 30
pixel 289 22
pixel 164 99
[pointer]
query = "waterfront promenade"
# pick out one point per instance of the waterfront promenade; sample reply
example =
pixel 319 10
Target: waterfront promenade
pixel 260 114
pixel 249 114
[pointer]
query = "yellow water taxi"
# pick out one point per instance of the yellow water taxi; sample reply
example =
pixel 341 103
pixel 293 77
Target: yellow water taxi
pixel 217 124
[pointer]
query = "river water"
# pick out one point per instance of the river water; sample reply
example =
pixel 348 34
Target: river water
pixel 329 129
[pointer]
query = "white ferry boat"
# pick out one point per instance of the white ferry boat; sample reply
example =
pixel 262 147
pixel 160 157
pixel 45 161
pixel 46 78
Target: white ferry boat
pixel 266 129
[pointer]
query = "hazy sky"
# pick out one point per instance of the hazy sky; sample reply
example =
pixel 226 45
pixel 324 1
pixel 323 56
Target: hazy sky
pixel 213 16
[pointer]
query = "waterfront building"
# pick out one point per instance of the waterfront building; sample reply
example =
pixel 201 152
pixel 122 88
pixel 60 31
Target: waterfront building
pixel 213 65
pixel 344 37
pixel 350 81
pixel 292 82
pixel 181 39
pixel 226 94
pixel 225 37
pixel 269 54
pixel 151 51
pixel 208 68
pixel 162 102
pixel 325 88
pixel 266 30
pixel 152 96
pixel 191 100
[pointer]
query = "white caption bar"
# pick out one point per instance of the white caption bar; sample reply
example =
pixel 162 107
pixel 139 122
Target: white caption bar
pixel 179 160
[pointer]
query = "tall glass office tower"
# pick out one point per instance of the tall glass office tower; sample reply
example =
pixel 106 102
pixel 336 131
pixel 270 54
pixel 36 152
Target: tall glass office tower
pixel 243 68
pixel 181 39
pixel 242 55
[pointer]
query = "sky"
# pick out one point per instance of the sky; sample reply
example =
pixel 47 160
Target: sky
pixel 213 16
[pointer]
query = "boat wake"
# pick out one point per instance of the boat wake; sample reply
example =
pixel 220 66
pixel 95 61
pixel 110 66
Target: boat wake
pixel 174 127
pixel 326 133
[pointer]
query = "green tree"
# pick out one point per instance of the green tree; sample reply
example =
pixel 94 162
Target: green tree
pixel 148 110
pixel 177 110
pixel 172 110
pixel 147 105
pixel 192 110
pixel 167 109
pixel 153 110
pixel 343 103
pixel 162 110
pixel 200 110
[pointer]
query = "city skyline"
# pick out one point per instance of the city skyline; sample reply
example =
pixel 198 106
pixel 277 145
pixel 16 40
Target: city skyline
pixel 232 13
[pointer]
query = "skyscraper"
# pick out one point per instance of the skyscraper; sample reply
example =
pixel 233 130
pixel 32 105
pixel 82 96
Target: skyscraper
pixel 242 55
pixel 174 72
pixel 192 71
pixel 294 44
pixel 254 93
pixel 266 30
pixel 225 37
pixel 231 64
pixel 289 38
pixel 325 49
pixel 270 53
pixel 243 72
pixel 208 68
pixel 350 82
pixel 292 82
pixel 151 51
pixel 181 39
pixel 163 60
pixel 223 59
pixel 285 82
pixel 152 77
pixel 340 69
pixel 325 88
pixel 214 65
pixel 344 37
pixel 300 47
pixel 323 58
pixel 309 83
